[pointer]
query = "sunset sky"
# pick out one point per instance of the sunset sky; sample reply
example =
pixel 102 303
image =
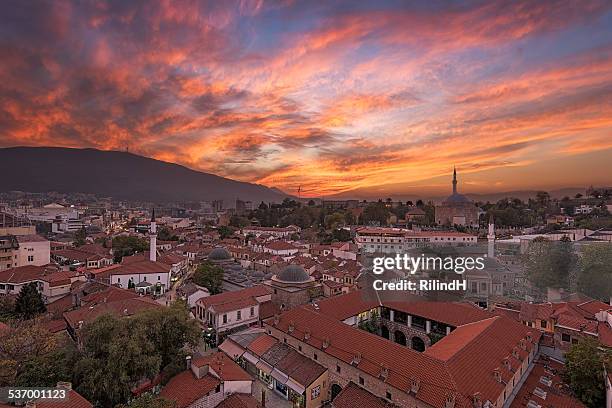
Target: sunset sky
pixel 338 97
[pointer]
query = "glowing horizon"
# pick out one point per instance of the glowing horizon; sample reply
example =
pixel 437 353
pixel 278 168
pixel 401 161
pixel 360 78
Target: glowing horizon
pixel 368 97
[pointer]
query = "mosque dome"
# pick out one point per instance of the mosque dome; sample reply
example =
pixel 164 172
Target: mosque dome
pixel 457 198
pixel 293 273
pixel 219 254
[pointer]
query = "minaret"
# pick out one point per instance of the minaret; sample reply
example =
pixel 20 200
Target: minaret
pixel 454 180
pixel 153 239
pixel 491 238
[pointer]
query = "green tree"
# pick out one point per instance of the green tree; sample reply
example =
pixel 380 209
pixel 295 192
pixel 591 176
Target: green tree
pixel 79 237
pixel 595 271
pixel 549 264
pixel 21 346
pixel 375 213
pixel 225 231
pixel 149 401
pixel 117 354
pixel 164 234
pixel 7 308
pixel 210 276
pixel 334 220
pixel 128 245
pixel 170 329
pixel 238 221
pixel 29 302
pixel 584 371
pixel 341 234
pixel 47 370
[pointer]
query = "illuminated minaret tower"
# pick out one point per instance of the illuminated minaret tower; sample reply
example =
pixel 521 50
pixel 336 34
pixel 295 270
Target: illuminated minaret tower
pixel 153 238
pixel 454 180
pixel 491 238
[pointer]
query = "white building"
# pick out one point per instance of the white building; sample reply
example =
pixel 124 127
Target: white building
pixel 33 250
pixel 399 240
pixel 231 310
pixel 52 284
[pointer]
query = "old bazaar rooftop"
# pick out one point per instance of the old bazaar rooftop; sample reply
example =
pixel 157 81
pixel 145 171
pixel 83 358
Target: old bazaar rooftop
pixel 462 367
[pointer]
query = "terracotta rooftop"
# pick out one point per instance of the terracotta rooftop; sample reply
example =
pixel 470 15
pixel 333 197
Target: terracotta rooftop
pixel 237 298
pixel 185 388
pixel 119 308
pixel 74 400
pixel 462 365
pixel 239 401
pixel 280 245
pixel 223 366
pixel 553 395
pixel 354 396
pixel 261 344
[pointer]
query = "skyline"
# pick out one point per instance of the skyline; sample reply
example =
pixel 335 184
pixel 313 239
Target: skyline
pixel 338 97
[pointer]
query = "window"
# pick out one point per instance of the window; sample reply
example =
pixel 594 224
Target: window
pixel 338 368
pixel 543 324
pixel 315 392
pixel 300 348
pixel 565 337
pixel 361 380
pixel 239 315
pixel 388 395
pixel 285 340
pixel 315 356
pixel 252 311
pixel 218 389
pixel 158 277
pixel 224 318
pixel 30 258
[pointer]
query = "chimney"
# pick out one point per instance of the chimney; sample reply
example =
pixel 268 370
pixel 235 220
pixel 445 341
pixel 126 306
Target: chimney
pixel 326 343
pixel 188 362
pixel 384 373
pixel 307 335
pixel 415 385
pixel 449 402
pixel 497 375
pixel 64 385
pixel 477 400
pixel 356 359
pixel 291 327
pixel 276 320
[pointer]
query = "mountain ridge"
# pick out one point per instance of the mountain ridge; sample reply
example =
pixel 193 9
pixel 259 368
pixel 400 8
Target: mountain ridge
pixel 120 175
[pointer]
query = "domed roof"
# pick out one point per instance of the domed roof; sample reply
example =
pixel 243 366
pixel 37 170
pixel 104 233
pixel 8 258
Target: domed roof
pixel 293 273
pixel 457 198
pixel 219 254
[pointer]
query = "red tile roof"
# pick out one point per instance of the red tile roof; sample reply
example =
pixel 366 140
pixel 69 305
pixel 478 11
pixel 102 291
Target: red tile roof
pixel 239 401
pixel 74 400
pixel 451 313
pixel 344 306
pixel 234 300
pixel 262 344
pixel 120 308
pixel 555 395
pixel 280 246
pixel 223 366
pixel 185 388
pixel 463 365
pixel 354 396
pixel 143 266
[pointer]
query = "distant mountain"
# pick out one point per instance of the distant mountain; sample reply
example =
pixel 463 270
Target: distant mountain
pixel 120 175
pixel 426 195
